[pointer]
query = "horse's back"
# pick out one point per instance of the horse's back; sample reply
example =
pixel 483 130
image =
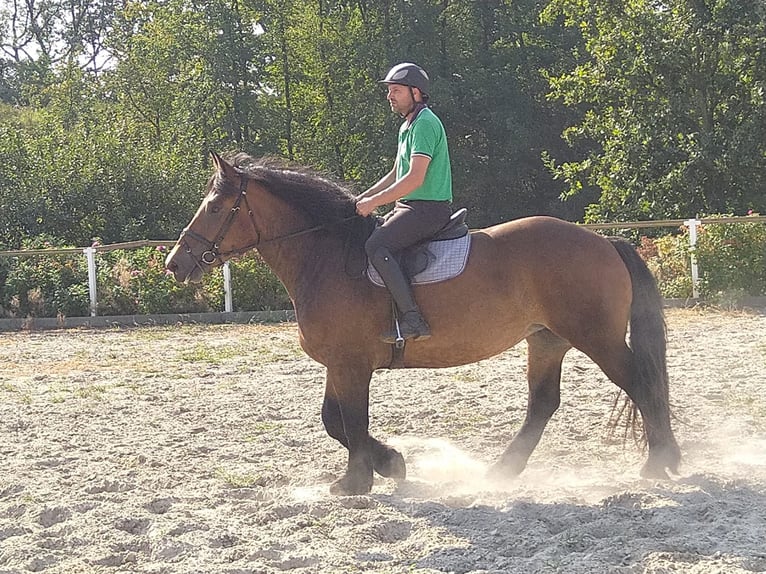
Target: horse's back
pixel 547 247
pixel 542 229
pixel 546 271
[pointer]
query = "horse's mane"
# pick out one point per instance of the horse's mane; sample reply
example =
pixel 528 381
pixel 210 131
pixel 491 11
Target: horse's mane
pixel 322 200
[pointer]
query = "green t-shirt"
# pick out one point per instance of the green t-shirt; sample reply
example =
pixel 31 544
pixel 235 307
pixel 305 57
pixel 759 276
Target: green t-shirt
pixel 425 136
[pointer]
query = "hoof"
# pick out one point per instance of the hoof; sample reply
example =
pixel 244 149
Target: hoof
pixel 506 469
pixel 654 472
pixel 391 465
pixel 662 458
pixel 346 486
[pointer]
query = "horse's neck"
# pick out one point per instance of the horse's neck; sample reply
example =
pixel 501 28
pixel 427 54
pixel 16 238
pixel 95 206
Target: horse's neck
pixel 302 263
pixel 280 250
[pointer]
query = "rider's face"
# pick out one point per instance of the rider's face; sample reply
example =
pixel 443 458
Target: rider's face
pixel 400 98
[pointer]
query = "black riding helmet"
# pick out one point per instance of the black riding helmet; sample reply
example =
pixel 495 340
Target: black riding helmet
pixel 408 74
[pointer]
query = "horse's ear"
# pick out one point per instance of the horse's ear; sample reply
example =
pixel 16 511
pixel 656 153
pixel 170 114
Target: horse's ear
pixel 223 167
pixel 218 161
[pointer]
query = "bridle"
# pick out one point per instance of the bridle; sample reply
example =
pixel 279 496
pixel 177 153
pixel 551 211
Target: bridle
pixel 212 251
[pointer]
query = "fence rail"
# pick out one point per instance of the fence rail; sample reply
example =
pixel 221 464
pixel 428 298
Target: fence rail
pixel 76 250
pixel 693 224
pixel 675 222
pixel 90 252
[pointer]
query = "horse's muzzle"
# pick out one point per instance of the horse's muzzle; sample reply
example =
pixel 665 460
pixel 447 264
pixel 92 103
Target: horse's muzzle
pixel 183 266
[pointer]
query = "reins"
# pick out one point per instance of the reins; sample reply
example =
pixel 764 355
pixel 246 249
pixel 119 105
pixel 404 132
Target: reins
pixel 212 252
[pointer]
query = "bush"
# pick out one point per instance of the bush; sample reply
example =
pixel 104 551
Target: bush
pixel 45 285
pixel 731 261
pixel 668 259
pixel 255 287
pixel 129 282
pixel 135 281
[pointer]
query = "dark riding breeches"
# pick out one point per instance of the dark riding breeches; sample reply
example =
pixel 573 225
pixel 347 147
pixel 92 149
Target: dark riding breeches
pixel 407 224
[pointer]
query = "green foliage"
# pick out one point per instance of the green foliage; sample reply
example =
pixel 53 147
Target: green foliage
pixel 668 260
pixel 108 110
pixel 83 181
pixel 136 282
pixel 673 107
pixel 732 259
pixel 129 282
pixel 45 286
pixel 255 287
pixel 118 151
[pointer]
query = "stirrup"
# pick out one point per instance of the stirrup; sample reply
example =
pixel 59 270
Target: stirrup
pixel 415 329
pixel 399 340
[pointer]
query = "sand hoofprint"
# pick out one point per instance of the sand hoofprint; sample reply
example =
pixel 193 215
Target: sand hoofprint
pixel 200 449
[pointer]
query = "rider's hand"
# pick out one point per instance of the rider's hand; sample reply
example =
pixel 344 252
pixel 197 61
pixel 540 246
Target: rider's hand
pixel 365 206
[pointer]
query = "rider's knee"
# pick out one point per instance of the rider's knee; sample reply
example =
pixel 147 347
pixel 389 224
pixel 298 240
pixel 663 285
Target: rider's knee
pixel 376 248
pixel 379 255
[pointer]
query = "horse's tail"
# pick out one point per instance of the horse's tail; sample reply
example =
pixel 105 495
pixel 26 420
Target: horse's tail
pixel 648 336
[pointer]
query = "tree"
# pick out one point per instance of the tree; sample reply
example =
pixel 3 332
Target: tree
pixel 114 105
pixel 38 36
pixel 491 93
pixel 674 106
pixel 326 57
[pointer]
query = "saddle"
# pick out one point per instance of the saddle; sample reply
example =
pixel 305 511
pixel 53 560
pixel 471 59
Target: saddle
pixel 438 258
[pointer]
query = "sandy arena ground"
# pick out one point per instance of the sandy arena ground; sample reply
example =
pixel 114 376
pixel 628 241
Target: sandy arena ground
pixel 200 449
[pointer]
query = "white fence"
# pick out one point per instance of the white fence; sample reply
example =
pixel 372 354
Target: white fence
pixel 90 252
pixel 90 256
pixel 693 224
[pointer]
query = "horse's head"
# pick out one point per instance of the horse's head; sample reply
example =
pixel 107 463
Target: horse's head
pixel 223 226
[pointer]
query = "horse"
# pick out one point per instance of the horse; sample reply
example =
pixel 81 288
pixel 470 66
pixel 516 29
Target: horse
pixel 552 283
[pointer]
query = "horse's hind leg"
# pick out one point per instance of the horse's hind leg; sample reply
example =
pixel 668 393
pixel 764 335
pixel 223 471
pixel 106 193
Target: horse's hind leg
pixel 345 414
pixel 651 398
pixel 545 352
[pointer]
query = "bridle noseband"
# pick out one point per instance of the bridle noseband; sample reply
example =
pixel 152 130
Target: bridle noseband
pixel 212 251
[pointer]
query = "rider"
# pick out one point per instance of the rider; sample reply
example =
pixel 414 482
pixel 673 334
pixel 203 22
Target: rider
pixel 420 184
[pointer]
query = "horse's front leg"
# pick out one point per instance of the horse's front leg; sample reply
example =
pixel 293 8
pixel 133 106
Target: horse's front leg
pixel 345 414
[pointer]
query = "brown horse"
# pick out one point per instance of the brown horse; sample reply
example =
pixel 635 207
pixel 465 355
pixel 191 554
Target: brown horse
pixel 550 282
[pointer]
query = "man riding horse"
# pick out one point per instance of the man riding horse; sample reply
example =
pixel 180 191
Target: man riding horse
pixel 420 184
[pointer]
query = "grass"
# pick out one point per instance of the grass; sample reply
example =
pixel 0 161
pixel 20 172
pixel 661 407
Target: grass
pixel 750 405
pixel 251 356
pixel 22 396
pixel 8 387
pixel 464 424
pixel 201 353
pixel 90 392
pixel 265 427
pixel 237 479
pixel 60 392
pixel 89 364
pixel 469 376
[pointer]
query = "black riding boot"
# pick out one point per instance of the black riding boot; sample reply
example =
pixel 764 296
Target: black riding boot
pixel 411 322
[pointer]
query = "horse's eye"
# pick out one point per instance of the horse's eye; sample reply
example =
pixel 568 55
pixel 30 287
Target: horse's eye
pixel 215 208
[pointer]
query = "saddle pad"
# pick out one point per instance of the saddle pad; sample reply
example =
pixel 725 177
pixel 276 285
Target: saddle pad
pixel 450 257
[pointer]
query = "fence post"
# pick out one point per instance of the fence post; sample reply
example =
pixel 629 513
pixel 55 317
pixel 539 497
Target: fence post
pixel 228 307
pixel 692 224
pixel 90 255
